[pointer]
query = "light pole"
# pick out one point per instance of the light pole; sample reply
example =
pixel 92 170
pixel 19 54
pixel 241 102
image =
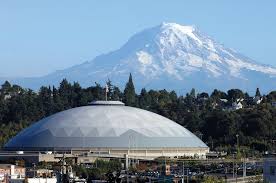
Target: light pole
pixel 34 170
pixel 183 171
pixel 238 155
pixel 238 148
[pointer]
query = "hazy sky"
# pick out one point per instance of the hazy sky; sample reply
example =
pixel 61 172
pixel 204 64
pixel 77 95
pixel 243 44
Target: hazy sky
pixel 40 37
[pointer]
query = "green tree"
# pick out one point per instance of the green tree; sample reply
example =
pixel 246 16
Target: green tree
pixel 212 179
pixel 235 94
pixel 77 95
pixel 129 93
pixel 114 92
pixel 65 93
pixel 217 94
pixel 258 93
pixel 144 99
pixel 6 87
pixel 58 104
pixel 203 95
pixel 193 93
pixel 45 100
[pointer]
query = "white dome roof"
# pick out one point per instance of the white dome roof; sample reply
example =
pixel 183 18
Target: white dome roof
pixel 104 124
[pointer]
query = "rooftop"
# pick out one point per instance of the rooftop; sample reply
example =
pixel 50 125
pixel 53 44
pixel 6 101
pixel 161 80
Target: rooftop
pixel 103 102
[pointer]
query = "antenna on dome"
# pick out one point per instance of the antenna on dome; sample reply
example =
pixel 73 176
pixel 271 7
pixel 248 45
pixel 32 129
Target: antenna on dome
pixel 106 91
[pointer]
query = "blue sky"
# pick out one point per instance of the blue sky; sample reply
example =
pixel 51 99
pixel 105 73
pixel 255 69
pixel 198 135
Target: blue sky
pixel 39 37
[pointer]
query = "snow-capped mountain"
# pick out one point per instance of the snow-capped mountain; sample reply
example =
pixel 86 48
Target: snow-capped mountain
pixel 169 56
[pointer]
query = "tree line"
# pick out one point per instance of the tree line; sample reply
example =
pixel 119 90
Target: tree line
pixel 207 115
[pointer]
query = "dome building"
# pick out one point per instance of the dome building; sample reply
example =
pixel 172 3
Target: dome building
pixel 108 129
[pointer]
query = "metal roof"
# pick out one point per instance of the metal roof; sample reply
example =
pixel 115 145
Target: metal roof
pixel 102 102
pixel 104 126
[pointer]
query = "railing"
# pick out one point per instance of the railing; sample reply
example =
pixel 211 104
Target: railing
pixel 246 179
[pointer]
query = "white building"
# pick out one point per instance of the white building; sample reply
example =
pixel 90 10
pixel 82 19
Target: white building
pixel 257 100
pixel 237 105
pixel 108 129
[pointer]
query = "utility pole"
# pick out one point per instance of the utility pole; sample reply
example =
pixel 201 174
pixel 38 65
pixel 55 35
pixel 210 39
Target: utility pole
pixel 187 175
pixel 183 171
pixel 165 168
pixel 233 166
pixel 244 168
pixel 212 145
pixel 237 157
pixel 127 158
pixel 236 173
pixel 238 146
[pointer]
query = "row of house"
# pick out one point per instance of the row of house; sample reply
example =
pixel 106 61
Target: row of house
pixel 15 174
pixel 238 103
pixel 9 171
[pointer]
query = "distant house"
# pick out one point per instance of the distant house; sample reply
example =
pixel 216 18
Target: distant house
pixel 219 102
pixel 7 97
pixel 214 105
pixel 202 98
pixel 236 105
pixel 240 99
pixel 224 100
pixel 257 100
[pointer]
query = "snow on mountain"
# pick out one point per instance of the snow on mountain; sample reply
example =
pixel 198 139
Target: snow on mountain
pixel 169 56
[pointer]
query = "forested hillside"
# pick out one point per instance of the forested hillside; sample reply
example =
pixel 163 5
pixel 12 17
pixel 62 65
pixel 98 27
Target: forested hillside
pixel 213 117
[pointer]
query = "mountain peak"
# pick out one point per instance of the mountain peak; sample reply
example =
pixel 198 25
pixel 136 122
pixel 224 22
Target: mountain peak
pixel 171 56
pixel 173 32
pixel 177 27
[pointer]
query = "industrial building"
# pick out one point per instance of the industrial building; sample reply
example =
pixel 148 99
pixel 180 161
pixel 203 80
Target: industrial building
pixel 106 129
